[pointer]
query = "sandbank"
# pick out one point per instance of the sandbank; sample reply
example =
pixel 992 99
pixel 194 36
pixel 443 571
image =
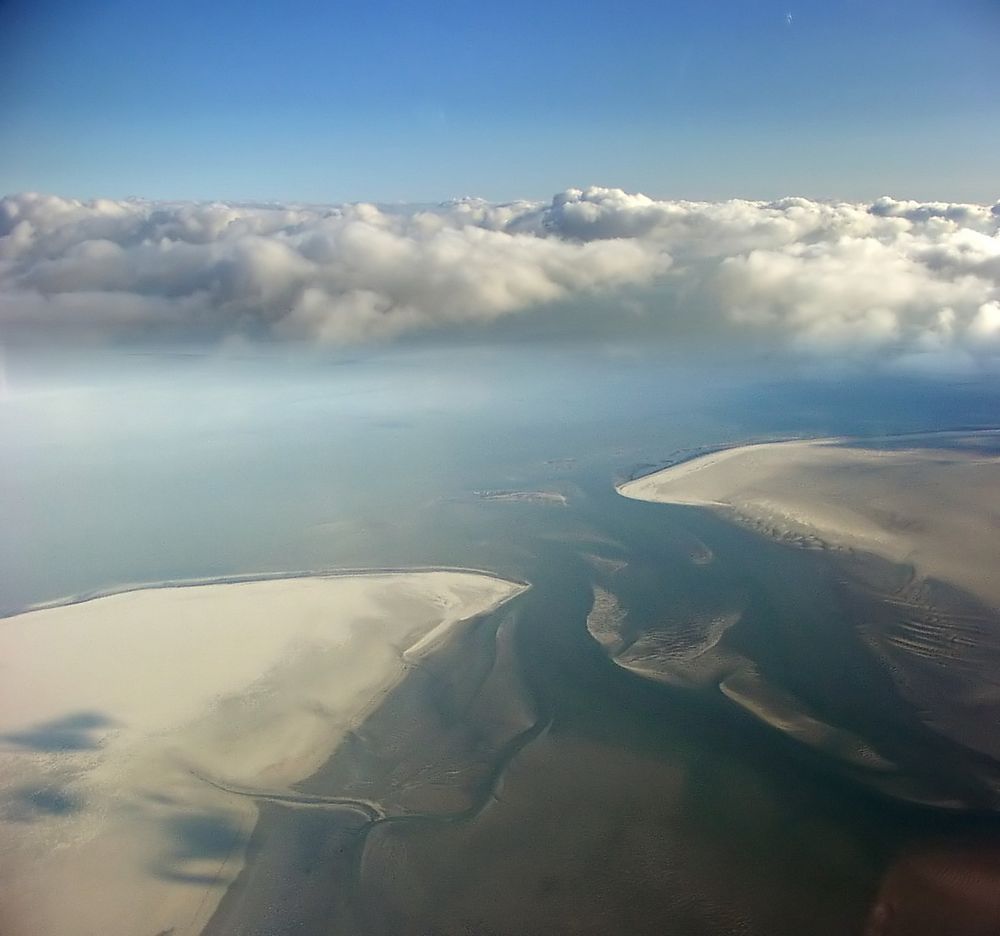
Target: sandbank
pixel 912 528
pixel 681 651
pixel 116 711
pixel 935 509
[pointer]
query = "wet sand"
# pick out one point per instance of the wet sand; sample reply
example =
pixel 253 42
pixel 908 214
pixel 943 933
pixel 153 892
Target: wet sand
pixel 909 533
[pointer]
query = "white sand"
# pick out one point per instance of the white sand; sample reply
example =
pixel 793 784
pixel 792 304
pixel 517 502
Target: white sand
pixel 112 709
pixel 937 510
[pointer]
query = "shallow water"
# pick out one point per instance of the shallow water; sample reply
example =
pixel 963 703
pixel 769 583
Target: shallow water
pixel 621 805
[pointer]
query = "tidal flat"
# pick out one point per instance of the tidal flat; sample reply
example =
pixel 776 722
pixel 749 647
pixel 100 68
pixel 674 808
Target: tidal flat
pixel 687 722
pixel 133 725
pixel 626 798
pixel 913 529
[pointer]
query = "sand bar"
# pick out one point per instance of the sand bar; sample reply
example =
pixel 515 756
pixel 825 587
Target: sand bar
pixel 933 508
pixel 914 525
pixel 113 709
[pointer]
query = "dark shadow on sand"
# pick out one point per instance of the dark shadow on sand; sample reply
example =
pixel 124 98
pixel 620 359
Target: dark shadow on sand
pixel 76 732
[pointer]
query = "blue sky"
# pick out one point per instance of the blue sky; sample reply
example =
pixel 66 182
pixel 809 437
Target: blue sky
pixel 421 101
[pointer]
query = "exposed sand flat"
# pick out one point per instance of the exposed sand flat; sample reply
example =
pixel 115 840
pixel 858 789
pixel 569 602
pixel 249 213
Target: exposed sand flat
pixel 113 709
pixel 684 652
pixel 935 509
pixel 555 498
pixel 605 621
pixel 680 651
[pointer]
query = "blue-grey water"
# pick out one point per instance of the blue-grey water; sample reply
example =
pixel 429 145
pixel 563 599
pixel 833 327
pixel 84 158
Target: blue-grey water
pixel 121 468
pixel 125 467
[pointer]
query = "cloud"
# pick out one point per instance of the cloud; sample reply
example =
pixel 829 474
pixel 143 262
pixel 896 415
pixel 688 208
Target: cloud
pixel 899 279
pixel 339 274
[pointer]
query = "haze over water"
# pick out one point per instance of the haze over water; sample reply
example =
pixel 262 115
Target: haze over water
pixel 126 467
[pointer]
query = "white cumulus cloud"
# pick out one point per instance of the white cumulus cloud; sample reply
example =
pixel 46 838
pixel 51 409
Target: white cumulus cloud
pixel 900 279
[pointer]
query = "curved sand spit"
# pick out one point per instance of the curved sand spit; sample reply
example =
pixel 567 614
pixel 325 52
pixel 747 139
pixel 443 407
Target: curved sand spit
pixel 935 509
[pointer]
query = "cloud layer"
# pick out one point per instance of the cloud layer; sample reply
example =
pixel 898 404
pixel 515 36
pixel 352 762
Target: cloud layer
pixel 917 283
